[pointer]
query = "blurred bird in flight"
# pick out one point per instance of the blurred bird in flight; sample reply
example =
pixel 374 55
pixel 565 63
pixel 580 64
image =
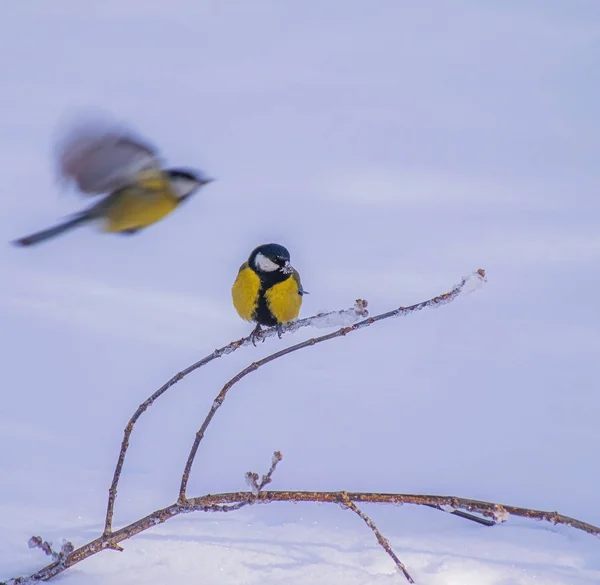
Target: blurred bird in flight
pixel 100 159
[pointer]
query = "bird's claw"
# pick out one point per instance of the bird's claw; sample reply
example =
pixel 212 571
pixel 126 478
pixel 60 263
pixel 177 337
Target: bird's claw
pixel 256 334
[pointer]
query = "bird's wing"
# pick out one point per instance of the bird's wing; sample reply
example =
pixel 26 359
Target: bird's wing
pixel 296 277
pixel 100 159
pixel 243 266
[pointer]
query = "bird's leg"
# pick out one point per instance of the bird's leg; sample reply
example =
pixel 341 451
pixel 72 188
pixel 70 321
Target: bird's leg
pixel 279 329
pixel 256 333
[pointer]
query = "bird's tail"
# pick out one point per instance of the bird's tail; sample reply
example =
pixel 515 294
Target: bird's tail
pixel 44 235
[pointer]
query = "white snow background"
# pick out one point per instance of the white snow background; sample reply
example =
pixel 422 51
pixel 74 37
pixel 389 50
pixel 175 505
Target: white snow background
pixel 393 147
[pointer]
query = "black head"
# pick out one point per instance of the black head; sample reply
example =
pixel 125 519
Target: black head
pixel 185 181
pixel 270 258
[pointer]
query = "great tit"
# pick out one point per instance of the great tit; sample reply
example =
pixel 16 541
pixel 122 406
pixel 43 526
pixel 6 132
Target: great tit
pixel 100 160
pixel 267 289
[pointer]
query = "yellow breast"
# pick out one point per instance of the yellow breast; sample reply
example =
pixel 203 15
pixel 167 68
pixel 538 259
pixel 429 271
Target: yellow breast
pixel 244 292
pixel 138 207
pixel 283 300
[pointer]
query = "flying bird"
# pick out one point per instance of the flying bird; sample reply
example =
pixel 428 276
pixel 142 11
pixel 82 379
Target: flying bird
pixel 112 160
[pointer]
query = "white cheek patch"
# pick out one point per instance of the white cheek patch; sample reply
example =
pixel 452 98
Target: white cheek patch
pixel 183 186
pixel 265 264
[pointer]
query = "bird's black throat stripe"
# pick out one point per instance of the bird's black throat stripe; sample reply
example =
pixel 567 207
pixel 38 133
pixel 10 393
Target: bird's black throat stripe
pixel 262 314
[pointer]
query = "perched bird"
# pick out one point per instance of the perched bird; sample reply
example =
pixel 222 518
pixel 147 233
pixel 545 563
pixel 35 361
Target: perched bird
pixel 114 161
pixel 267 289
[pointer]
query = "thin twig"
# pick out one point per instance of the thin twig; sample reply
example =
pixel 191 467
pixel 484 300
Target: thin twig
pixel 400 311
pixel 349 315
pixel 348 503
pixel 252 477
pixel 223 502
pixel 255 486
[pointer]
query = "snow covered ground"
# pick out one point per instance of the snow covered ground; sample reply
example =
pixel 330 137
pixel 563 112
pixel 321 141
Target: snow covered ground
pixel 393 147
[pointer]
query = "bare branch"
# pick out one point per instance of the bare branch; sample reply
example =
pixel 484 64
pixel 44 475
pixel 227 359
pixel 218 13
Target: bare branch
pixel 359 310
pixel 478 276
pixel 498 512
pixel 227 501
pixel 348 503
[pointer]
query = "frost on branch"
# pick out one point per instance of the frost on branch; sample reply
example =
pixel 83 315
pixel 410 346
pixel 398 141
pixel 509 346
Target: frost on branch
pixel 252 477
pixel 474 282
pixel 341 318
pixel 500 513
pixel 447 508
pixel 252 482
pixel 65 550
